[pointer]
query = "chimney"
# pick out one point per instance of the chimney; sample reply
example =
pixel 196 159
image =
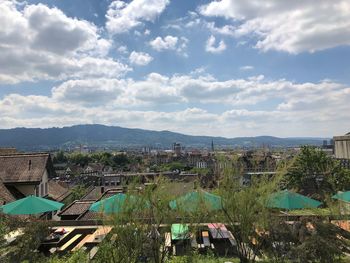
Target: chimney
pixel 29 164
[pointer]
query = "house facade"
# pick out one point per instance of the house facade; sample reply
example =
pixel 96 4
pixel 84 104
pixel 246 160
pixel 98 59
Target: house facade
pixel 26 174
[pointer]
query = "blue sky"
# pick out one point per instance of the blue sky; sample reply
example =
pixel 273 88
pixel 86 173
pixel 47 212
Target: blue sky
pixel 224 68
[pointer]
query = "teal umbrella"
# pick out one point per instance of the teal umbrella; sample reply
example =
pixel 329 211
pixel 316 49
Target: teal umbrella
pixel 118 203
pixel 290 200
pixel 342 196
pixel 31 205
pixel 197 200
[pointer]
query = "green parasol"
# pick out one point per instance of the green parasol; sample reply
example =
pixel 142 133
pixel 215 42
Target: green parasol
pixel 197 200
pixel 290 200
pixel 31 205
pixel 342 196
pixel 117 203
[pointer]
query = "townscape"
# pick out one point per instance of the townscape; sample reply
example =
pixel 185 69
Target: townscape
pixel 176 204
pixel 173 131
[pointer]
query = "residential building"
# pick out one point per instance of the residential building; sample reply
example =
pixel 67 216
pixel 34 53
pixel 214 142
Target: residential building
pixel 342 149
pixel 342 146
pixel 26 174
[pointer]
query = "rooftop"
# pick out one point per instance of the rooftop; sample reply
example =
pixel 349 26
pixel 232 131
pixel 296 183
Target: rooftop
pixel 16 168
pixel 77 208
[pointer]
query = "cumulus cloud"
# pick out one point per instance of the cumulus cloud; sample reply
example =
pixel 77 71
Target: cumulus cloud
pixel 301 109
pixel 210 45
pixel 89 92
pixel 38 42
pixel 122 16
pixel 289 26
pixel 160 44
pixel 140 58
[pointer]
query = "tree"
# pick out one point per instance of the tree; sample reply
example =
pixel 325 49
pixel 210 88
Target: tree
pixel 138 231
pixel 245 210
pixel 315 174
pixel 60 157
pixel 321 242
pixel 26 245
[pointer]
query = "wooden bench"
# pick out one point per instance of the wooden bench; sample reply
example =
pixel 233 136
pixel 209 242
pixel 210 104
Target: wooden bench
pixel 93 252
pixel 82 242
pixel 167 239
pixel 206 241
pixel 70 242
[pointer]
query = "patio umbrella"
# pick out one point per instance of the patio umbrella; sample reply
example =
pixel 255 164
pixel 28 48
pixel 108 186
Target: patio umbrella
pixel 31 205
pixel 196 200
pixel 342 196
pixel 117 203
pixel 290 200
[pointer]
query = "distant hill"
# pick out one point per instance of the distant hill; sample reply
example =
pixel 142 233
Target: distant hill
pixel 113 136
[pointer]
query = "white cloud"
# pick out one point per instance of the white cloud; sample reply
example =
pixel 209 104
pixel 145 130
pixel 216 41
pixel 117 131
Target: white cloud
pixel 168 42
pixel 89 92
pixel 247 67
pixel 297 109
pixel 38 42
pixel 289 26
pixel 210 45
pixel 122 16
pixel 140 58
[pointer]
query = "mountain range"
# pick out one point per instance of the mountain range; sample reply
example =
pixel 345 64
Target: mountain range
pixel 96 135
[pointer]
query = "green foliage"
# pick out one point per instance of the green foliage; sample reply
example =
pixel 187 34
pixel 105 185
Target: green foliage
pixel 25 246
pixel 172 167
pixel 201 171
pixel 325 243
pixel 315 174
pixel 79 159
pixel 137 229
pixel 244 209
pixel 77 257
pixel 60 157
pixel 77 193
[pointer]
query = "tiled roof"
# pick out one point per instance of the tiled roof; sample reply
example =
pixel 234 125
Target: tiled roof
pixel 5 195
pixel 89 215
pixel 76 208
pixel 94 193
pixel 23 167
pixel 56 191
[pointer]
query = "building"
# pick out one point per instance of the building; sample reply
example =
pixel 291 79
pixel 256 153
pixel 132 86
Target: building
pixel 342 146
pixel 342 149
pixel 26 174
pixel 177 148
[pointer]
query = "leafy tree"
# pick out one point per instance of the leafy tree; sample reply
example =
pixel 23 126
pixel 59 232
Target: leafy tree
pixel 322 242
pixel 137 228
pixel 77 193
pixel 79 159
pixel 315 174
pixel 26 245
pixel 60 157
pixel 120 160
pixel 244 209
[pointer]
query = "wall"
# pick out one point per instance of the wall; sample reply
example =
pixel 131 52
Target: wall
pixel 342 147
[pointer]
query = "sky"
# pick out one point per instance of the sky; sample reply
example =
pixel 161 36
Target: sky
pixel 222 68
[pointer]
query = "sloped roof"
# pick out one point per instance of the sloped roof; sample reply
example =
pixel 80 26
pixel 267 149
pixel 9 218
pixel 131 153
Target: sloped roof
pixel 348 133
pixel 77 208
pixel 5 195
pixel 23 167
pixel 57 191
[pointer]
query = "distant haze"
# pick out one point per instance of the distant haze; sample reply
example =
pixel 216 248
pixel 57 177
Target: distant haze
pixel 112 136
